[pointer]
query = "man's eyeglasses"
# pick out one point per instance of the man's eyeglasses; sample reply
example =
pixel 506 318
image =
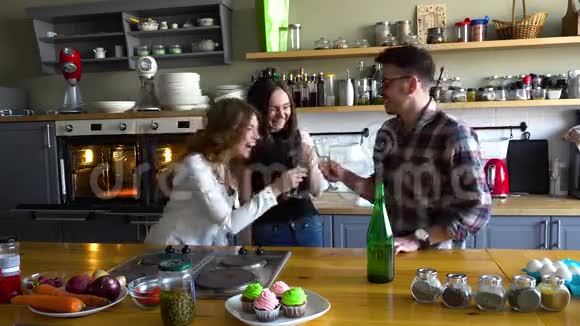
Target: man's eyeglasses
pixel 388 81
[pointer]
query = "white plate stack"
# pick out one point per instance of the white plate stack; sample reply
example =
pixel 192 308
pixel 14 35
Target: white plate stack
pixel 230 91
pixel 180 91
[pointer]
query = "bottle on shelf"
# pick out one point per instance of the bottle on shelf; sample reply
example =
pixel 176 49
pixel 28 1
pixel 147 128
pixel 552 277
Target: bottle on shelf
pixel 291 85
pixel 380 241
pixel 313 91
pixel 320 91
pixel 305 90
pixel 298 91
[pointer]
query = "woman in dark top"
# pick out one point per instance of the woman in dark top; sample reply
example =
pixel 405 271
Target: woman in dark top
pixel 294 221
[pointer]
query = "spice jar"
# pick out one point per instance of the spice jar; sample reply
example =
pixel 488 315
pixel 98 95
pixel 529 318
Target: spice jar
pixel 435 35
pixel 460 95
pixel 456 292
pixel 462 30
pixel 490 294
pixel 390 40
pixel 158 50
pixel 471 95
pixel 488 94
pixel 479 29
pixel 142 50
pixel 426 287
pixel 555 295
pixel 321 44
pixel 522 294
pixel 340 43
pixel 175 49
pixel 177 297
pixel 9 269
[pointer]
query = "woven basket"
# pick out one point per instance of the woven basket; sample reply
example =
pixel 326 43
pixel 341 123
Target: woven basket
pixel 528 27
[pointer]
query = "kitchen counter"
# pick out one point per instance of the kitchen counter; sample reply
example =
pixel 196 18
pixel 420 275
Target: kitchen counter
pixel 99 116
pixel 524 205
pixel 337 274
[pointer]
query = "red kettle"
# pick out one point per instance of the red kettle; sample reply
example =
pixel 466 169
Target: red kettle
pixel 497 178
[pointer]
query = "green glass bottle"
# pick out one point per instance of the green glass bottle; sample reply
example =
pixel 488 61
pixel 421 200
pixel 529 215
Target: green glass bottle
pixel 380 242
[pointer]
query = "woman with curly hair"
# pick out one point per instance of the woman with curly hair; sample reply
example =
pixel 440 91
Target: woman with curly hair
pixel 203 206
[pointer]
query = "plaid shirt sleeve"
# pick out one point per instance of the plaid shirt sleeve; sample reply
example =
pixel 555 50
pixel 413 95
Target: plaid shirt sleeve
pixel 468 202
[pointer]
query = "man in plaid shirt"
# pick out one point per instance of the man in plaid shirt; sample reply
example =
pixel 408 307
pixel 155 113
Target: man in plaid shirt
pixel 429 162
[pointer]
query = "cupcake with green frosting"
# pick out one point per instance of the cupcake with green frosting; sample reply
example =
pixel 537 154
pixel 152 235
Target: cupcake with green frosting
pixel 294 303
pixel 250 294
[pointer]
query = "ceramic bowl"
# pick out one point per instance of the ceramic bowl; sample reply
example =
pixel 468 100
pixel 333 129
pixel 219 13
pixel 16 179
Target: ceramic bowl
pixel 151 25
pixel 554 94
pixel 205 22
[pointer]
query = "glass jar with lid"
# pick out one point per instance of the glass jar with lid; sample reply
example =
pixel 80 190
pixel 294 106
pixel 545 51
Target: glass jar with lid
pixel 523 295
pixel 175 49
pixel 410 39
pixel 390 40
pixel 142 50
pixel 471 95
pixel 10 284
pixel 462 30
pixel 294 37
pixel 158 50
pixel 555 295
pixel 340 43
pixel 177 297
pixel 479 29
pixel 490 293
pixel 426 287
pixel 488 94
pixel 456 292
pixel 403 29
pixel 500 94
pixel 382 29
pixel 436 35
pixel 460 95
pixel 322 44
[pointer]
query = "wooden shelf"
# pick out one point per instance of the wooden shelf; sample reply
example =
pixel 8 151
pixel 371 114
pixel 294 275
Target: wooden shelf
pixel 163 32
pixel 92 60
pixel 449 106
pixel 184 55
pixel 447 47
pixel 80 37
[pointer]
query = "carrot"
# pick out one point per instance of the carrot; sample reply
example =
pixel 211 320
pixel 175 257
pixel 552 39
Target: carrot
pixel 89 300
pixel 49 302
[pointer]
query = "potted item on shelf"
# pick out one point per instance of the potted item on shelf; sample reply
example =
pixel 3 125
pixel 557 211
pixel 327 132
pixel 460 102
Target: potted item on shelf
pixel 142 50
pixel 158 50
pixel 528 27
pixel 175 49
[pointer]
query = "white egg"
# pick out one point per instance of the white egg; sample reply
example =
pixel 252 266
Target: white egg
pixel 564 273
pixel 533 266
pixel 575 270
pixel 547 269
pixel 546 260
pixel 559 264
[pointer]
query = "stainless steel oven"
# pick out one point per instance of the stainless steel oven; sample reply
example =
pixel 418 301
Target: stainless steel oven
pixel 117 163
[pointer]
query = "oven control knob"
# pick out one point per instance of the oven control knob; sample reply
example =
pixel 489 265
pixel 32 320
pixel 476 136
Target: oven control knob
pixel 260 251
pixel 185 249
pixel 243 251
pixel 154 126
pixel 68 128
pixel 122 126
pixel 169 250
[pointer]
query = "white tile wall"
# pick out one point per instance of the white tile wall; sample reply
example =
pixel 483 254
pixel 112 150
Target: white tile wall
pixel 543 123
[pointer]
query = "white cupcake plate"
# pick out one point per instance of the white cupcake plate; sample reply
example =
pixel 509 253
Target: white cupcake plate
pixel 316 307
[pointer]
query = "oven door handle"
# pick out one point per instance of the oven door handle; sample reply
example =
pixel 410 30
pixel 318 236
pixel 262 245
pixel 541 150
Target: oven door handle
pixel 60 219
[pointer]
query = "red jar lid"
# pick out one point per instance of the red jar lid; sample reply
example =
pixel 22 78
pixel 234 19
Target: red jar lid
pixel 467 21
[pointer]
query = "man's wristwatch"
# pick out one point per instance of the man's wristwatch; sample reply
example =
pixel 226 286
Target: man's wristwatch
pixel 423 237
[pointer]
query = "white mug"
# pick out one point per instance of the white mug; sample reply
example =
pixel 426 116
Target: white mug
pixel 100 53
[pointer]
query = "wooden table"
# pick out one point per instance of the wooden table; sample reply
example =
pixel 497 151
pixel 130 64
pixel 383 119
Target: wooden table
pixel 337 274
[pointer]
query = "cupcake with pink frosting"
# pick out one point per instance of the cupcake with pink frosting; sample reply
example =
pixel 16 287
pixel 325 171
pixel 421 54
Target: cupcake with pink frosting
pixel 266 306
pixel 278 288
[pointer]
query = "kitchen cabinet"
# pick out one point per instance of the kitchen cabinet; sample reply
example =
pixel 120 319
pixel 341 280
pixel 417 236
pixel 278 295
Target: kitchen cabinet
pixel 515 232
pixel 105 24
pixel 28 168
pixel 102 229
pixel 565 233
pixel 350 231
pixel 28 229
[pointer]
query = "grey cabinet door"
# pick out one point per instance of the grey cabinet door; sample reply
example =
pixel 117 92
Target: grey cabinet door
pixel 102 229
pixel 27 229
pixel 350 231
pixel 28 168
pixel 515 232
pixel 565 233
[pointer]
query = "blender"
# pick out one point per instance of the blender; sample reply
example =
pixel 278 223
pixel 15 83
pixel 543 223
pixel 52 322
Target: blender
pixel 70 64
pixel 147 99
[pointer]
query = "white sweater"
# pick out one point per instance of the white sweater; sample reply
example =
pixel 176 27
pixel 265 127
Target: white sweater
pixel 200 211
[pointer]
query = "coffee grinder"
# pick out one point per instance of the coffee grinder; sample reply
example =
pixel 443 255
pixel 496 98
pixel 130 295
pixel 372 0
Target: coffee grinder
pixel 70 64
pixel 147 99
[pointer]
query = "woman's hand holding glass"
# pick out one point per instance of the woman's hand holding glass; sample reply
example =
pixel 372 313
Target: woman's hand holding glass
pixel 289 180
